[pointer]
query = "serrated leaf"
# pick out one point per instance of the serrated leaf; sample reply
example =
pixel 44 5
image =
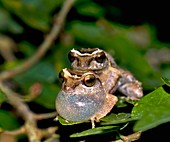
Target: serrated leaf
pixel 153 110
pixel 8 121
pixel 117 118
pixel 65 122
pixel 166 81
pixel 95 131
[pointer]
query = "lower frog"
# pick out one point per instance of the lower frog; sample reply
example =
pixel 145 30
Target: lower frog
pixel 83 97
pixel 111 75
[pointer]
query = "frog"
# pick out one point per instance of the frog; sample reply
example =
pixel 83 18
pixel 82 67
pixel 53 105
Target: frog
pixel 83 97
pixel 111 75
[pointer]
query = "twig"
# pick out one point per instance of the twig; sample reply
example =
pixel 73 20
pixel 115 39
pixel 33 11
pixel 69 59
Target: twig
pixel 48 132
pixel 34 134
pixel 16 132
pixel 129 138
pixel 53 138
pixel 58 24
pixel 30 127
pixel 24 111
pixel 45 115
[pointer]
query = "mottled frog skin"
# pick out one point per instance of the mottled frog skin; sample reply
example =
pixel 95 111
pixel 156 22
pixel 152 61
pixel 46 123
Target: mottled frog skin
pixel 87 90
pixel 111 75
pixel 83 97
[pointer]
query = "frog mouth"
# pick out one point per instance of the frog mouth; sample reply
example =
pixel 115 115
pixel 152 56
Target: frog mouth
pixel 81 70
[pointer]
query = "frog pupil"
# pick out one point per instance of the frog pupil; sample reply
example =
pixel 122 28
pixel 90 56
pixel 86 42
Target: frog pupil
pixel 101 58
pixel 89 80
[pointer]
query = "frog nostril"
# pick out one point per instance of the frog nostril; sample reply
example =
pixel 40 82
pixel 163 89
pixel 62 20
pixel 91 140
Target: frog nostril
pixel 61 75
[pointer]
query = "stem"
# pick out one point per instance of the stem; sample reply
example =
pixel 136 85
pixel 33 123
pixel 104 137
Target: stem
pixel 46 44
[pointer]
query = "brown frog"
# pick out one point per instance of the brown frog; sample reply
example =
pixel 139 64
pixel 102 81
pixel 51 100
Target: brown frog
pixel 83 97
pixel 112 77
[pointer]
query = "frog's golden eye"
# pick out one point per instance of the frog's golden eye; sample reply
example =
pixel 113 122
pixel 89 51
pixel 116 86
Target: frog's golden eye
pixel 71 56
pixel 61 75
pixel 101 57
pixel 89 80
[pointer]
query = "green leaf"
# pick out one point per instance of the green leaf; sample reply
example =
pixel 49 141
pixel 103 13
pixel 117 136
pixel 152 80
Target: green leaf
pixel 8 24
pixel 27 48
pixel 117 118
pixel 113 116
pixel 153 110
pixel 90 9
pixel 45 74
pixel 95 131
pixel 36 14
pixel 8 121
pixel 60 57
pixel 65 122
pixel 42 72
pixel 48 96
pixel 113 38
pixel 166 81
pixel 2 97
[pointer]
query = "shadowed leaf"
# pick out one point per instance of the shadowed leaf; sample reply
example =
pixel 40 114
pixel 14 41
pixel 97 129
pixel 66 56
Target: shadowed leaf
pixel 2 97
pixel 8 121
pixel 113 39
pixel 48 96
pixel 95 131
pixel 117 118
pixel 153 110
pixel 36 14
pixel 65 122
pixel 166 81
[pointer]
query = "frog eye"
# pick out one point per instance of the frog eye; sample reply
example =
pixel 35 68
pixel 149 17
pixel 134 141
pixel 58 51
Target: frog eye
pixel 89 80
pixel 61 75
pixel 101 57
pixel 71 56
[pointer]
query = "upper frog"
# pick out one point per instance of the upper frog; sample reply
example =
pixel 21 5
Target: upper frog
pixel 90 59
pixel 111 75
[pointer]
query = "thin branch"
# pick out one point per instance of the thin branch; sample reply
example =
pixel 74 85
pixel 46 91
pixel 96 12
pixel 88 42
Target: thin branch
pixel 16 132
pixel 24 111
pixel 129 138
pixel 34 134
pixel 48 132
pixel 50 38
pixel 30 127
pixel 45 115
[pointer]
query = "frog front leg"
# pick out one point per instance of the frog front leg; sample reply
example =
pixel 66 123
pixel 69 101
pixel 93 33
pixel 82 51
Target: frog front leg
pixel 110 101
pixel 128 85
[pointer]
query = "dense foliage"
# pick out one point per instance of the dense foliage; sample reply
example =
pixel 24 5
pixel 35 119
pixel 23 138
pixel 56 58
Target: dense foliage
pixel 23 26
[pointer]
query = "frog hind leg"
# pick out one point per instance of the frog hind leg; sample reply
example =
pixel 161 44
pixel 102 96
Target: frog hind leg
pixel 110 101
pixel 129 86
